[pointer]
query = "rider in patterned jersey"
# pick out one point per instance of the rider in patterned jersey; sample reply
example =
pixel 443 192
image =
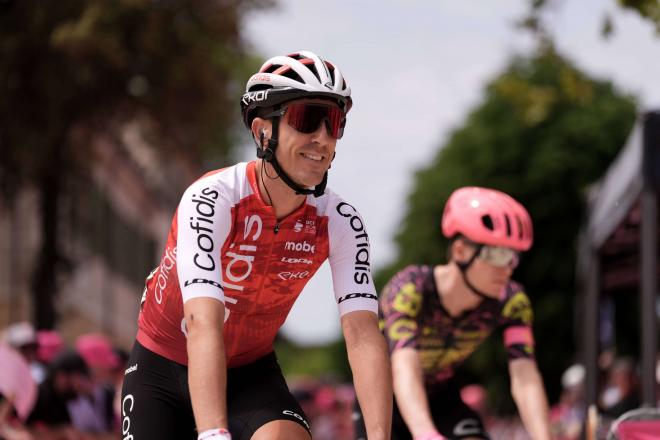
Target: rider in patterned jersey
pixel 244 242
pixel 434 317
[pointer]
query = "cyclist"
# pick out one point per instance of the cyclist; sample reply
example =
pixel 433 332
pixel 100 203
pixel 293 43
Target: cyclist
pixel 243 243
pixel 434 317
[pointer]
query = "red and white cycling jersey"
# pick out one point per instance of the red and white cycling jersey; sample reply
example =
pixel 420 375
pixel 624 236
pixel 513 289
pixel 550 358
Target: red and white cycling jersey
pixel 226 243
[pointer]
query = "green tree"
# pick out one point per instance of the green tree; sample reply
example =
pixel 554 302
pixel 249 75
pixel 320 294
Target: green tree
pixel 543 133
pixel 72 69
pixel 330 360
pixel 647 9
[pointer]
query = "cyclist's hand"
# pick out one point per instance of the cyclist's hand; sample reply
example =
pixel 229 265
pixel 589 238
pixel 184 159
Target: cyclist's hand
pixel 433 435
pixel 214 434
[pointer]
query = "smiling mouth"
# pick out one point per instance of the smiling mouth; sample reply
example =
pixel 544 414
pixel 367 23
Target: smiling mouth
pixel 314 157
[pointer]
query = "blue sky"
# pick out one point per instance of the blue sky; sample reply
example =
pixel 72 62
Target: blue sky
pixel 416 68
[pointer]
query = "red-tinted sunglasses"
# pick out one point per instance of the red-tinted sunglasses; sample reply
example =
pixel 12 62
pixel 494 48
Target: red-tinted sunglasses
pixel 306 118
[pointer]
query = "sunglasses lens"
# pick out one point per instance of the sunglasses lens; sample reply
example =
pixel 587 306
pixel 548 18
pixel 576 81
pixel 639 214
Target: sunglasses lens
pixel 500 256
pixel 306 118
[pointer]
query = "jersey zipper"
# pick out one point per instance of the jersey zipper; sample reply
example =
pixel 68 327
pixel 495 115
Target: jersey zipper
pixel 276 229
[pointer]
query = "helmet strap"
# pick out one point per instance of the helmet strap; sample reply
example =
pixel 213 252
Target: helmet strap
pixel 464 266
pixel 268 155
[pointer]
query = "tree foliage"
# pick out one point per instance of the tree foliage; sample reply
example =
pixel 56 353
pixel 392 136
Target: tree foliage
pixel 543 133
pixel 75 68
pixel 330 360
pixel 647 9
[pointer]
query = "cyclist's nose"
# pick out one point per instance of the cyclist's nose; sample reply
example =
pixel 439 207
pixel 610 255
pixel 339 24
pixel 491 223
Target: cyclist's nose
pixel 322 133
pixel 508 270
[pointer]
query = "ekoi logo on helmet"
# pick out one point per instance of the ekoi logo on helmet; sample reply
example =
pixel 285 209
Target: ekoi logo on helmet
pixel 258 96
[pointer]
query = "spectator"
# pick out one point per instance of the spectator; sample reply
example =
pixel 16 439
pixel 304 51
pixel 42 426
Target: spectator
pixel 93 412
pixel 18 393
pixel 475 397
pixel 568 415
pixel 50 344
pixel 67 378
pixel 621 392
pixel 22 337
pixel 657 380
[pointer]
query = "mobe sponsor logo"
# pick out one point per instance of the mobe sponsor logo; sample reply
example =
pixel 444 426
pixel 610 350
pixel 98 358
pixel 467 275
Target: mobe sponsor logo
pixel 361 263
pixel 357 295
pixel 296 415
pixel 130 369
pixel 286 276
pixel 301 247
pixel 296 260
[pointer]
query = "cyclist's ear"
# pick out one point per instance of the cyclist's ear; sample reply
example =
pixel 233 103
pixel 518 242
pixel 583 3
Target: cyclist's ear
pixel 459 250
pixel 261 130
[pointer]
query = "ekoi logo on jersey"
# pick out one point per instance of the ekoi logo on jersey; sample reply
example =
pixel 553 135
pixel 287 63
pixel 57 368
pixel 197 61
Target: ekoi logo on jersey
pixel 362 266
pixel 239 264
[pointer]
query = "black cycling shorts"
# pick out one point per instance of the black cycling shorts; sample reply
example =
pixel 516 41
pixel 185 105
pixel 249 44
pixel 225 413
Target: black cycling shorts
pixel 451 416
pixel 156 400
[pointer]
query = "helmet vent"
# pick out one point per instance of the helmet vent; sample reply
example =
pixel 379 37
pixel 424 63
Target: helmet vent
pixel 508 225
pixel 331 69
pixel 269 68
pixel 487 222
pixel 521 231
pixel 310 65
pixel 293 75
pixel 287 72
pixel 257 87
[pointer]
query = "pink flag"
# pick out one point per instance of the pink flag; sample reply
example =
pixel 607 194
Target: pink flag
pixel 16 382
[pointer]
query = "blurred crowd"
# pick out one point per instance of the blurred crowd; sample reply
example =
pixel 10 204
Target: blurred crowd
pixel 49 390
pixel 619 392
pixel 52 391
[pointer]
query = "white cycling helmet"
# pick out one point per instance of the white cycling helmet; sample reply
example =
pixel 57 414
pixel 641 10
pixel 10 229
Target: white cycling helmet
pixel 298 75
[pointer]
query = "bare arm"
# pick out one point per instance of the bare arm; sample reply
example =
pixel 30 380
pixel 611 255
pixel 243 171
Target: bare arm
pixel 207 366
pixel 529 394
pixel 370 364
pixel 410 393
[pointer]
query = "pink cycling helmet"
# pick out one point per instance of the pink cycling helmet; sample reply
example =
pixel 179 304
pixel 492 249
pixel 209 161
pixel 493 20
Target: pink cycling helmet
pixel 487 216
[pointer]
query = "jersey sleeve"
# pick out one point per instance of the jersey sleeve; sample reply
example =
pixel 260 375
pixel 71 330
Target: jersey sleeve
pixel 401 304
pixel 349 257
pixel 517 316
pixel 203 223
